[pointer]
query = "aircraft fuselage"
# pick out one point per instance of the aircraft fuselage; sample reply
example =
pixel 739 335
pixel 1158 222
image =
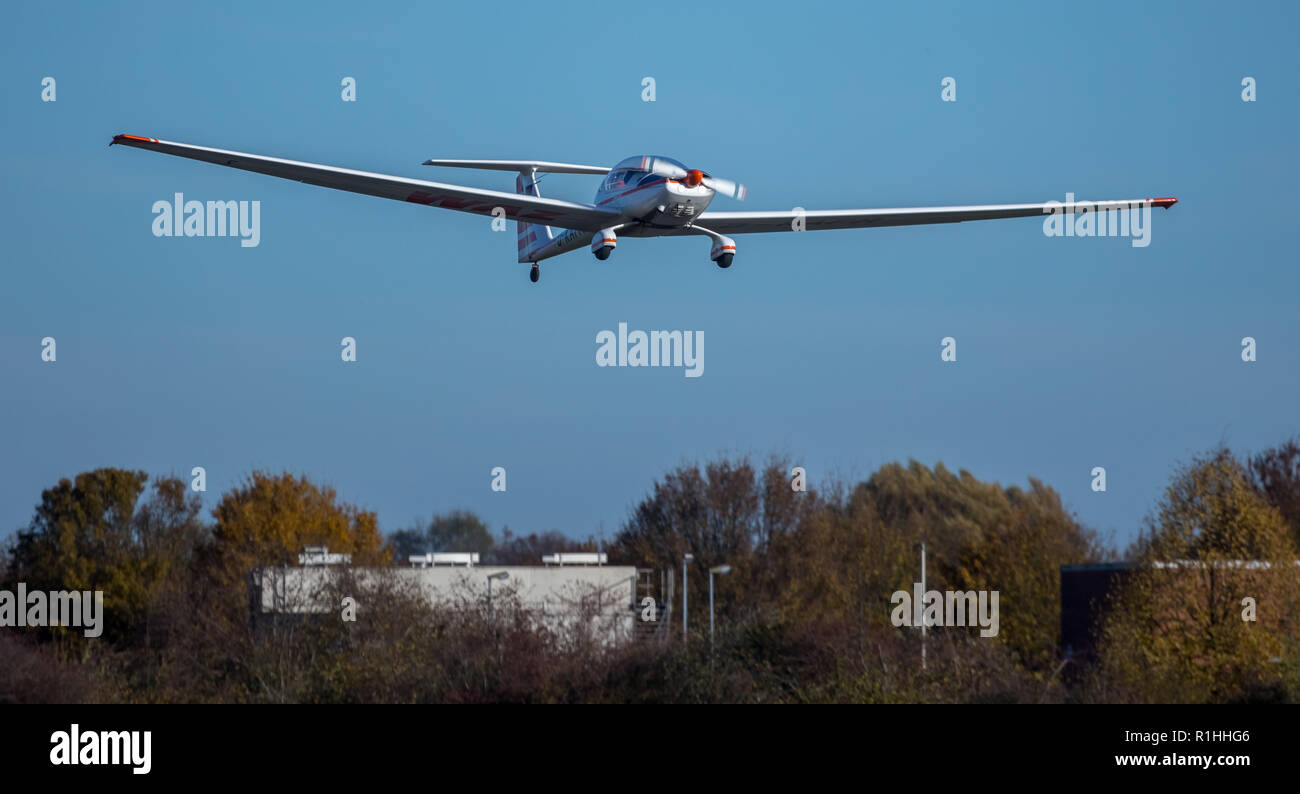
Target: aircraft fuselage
pixel 643 198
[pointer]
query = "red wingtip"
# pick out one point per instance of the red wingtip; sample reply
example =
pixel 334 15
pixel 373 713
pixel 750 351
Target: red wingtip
pixel 1164 202
pixel 125 137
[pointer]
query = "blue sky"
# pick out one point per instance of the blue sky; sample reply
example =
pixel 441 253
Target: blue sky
pixel 1072 353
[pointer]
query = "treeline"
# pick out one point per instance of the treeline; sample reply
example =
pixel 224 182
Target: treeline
pixel 462 530
pixel 804 614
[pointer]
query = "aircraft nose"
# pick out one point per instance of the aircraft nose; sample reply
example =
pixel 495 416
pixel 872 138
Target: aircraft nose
pixel 693 178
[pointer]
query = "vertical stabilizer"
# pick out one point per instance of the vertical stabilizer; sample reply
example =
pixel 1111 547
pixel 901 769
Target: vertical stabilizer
pixel 532 236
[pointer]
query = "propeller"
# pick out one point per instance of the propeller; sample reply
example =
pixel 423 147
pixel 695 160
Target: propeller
pixel 691 177
pixel 726 187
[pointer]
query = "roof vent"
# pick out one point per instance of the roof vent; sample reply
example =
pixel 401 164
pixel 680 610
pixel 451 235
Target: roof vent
pixel 465 558
pixel 320 555
pixel 576 558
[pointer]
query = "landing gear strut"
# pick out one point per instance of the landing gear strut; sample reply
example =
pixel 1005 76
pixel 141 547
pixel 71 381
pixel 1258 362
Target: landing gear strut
pixel 724 248
pixel 535 273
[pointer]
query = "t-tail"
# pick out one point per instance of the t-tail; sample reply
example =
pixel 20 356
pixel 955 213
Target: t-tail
pixel 532 236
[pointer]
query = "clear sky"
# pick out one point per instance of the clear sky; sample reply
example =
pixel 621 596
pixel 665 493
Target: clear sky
pixel 1072 352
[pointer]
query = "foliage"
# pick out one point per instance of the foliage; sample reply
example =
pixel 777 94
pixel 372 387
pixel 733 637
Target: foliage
pixel 1177 631
pixel 1275 473
pixel 270 518
pixel 529 549
pixel 89 534
pixel 803 614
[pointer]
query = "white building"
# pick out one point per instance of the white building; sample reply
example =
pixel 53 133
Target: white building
pixel 567 592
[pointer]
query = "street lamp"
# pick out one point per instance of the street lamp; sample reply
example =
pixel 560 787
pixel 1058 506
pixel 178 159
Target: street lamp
pixel 689 558
pixel 719 570
pixel 502 575
pixel 923 620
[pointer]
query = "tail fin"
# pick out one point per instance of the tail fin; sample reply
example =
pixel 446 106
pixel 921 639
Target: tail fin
pixel 532 236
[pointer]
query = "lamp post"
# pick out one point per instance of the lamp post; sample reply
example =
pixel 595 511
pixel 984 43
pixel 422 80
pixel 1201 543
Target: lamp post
pixel 923 620
pixel 502 575
pixel 687 559
pixel 719 570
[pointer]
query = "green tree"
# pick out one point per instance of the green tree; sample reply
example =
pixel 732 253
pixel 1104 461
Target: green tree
pixel 459 530
pixel 456 531
pixel 529 549
pixel 408 542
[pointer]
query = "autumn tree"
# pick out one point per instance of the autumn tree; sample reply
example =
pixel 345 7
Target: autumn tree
pixel 1208 616
pixel 91 533
pixel 1275 473
pixel 213 649
pixel 268 520
pixel 850 555
pixel 951 513
pixel 728 512
pixel 841 563
pixel 1021 557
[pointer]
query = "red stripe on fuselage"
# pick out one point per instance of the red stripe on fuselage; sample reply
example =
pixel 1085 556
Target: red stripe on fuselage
pixel 513 211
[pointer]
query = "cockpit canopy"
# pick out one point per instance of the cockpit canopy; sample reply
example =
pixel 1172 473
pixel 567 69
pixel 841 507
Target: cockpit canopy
pixel 631 172
pixel 635 163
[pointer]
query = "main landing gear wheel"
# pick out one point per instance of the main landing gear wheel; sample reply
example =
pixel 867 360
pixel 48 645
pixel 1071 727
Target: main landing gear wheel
pixel 535 273
pixel 724 261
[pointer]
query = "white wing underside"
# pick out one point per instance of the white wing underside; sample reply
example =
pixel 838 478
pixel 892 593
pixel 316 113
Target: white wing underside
pixel 588 217
pixel 531 209
pixel 816 220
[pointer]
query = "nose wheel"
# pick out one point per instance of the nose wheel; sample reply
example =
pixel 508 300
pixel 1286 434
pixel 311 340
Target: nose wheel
pixel 535 273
